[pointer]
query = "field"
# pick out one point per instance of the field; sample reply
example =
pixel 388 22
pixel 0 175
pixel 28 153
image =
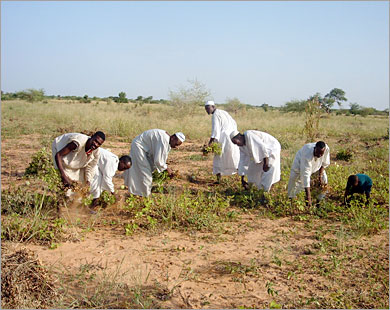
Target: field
pixel 192 244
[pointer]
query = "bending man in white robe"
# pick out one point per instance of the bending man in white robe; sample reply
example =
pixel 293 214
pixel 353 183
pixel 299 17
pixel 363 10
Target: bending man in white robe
pixel 149 151
pixel 312 157
pixel 106 168
pixel 76 155
pixel 259 158
pixel 222 125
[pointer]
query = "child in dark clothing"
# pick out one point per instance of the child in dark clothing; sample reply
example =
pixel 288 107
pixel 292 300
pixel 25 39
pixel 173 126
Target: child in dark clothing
pixel 358 183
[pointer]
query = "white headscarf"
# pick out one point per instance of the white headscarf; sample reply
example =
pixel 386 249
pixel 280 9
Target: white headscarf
pixel 210 102
pixel 233 134
pixel 180 136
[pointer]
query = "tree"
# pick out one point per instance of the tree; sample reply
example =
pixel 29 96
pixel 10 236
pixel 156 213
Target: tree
pixel 294 106
pixel 265 107
pixel 335 95
pixel 32 95
pixel 354 108
pixel 122 98
pixel 234 105
pixel 148 99
pixel 193 95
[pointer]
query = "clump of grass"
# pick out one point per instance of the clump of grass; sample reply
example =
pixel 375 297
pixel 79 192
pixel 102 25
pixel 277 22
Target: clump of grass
pixel 101 288
pixel 213 148
pixel 344 154
pixel 31 217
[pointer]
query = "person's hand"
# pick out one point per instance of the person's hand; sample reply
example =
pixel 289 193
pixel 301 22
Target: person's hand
pixel 266 167
pixel 116 196
pixel 171 173
pixel 66 181
pixel 320 180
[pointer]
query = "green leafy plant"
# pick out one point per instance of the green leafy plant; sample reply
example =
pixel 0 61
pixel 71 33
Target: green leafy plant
pixel 42 166
pixel 214 148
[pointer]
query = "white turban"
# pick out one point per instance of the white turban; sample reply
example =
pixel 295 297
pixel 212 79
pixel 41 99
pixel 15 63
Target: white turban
pixel 233 134
pixel 210 102
pixel 180 136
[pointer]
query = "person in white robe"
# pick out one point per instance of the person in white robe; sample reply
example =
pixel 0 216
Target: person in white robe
pixel 105 170
pixel 76 155
pixel 149 152
pixel 222 125
pixel 311 158
pixel 259 158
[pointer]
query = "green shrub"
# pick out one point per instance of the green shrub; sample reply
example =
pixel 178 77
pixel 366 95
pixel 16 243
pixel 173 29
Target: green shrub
pixel 344 154
pixel 42 166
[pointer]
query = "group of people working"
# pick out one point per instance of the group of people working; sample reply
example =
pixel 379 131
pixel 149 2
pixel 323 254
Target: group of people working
pixel 254 154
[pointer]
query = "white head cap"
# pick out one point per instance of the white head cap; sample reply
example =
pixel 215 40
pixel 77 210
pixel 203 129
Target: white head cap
pixel 210 102
pixel 180 136
pixel 233 134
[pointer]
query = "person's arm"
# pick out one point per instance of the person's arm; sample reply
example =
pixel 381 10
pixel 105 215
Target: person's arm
pixel 160 155
pixel 108 173
pixel 216 128
pixel 266 164
pixel 58 158
pixel 346 194
pixel 90 168
pixel 305 171
pixel 211 140
pixel 308 196
pixel 367 196
pixel 321 172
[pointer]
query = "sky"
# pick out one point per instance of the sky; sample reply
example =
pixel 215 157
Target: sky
pixel 256 51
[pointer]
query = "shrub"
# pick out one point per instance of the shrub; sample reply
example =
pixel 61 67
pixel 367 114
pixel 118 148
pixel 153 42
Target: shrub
pixel 42 166
pixel 344 154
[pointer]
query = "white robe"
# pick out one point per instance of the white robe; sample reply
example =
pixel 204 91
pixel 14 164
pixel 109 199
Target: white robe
pixel 304 165
pixel 259 145
pixel 149 151
pixel 78 166
pixel 104 172
pixel 222 125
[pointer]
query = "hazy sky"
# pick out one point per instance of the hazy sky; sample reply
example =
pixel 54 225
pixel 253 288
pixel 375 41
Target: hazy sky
pixel 259 52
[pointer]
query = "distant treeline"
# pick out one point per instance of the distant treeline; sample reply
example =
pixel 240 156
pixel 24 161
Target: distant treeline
pixel 35 95
pixel 198 96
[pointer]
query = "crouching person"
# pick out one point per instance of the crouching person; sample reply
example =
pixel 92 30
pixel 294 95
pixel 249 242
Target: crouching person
pixel 75 155
pixel 311 158
pixel 107 166
pixel 360 184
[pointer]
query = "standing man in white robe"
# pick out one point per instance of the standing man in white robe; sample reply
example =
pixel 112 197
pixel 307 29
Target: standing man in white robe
pixel 259 158
pixel 76 155
pixel 222 125
pixel 105 170
pixel 149 151
pixel 312 157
